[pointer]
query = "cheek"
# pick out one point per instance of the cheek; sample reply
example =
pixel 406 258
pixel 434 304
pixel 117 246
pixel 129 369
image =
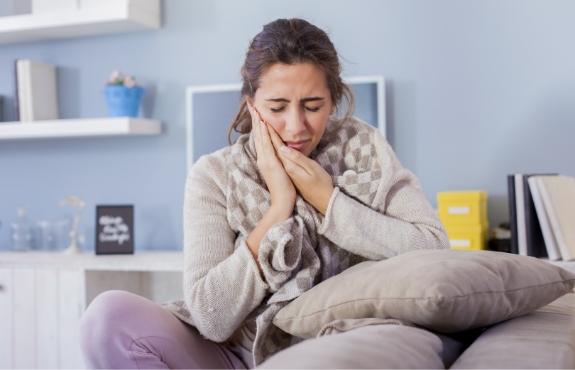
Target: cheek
pixel 277 123
pixel 318 124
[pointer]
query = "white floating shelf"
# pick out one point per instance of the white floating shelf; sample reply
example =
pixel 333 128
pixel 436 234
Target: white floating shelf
pixel 117 17
pixel 139 261
pixel 64 128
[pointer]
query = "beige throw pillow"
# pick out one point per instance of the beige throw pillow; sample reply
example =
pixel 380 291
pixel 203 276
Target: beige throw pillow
pixel 443 290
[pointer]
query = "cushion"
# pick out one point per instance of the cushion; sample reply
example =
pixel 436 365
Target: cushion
pixel 544 339
pixel 369 347
pixel 446 291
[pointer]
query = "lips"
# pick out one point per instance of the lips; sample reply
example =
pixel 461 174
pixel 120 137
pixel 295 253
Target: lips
pixel 297 145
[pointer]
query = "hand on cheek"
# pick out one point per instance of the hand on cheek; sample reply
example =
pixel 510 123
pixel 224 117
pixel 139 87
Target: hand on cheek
pixel 279 184
pixel 311 180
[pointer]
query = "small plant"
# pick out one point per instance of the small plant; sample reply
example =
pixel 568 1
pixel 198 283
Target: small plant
pixel 123 95
pixel 116 78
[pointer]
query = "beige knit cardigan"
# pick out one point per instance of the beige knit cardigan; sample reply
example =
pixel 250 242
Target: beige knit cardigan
pixel 222 283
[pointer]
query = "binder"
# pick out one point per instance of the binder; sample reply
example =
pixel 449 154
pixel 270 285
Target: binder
pixel 520 215
pixel 512 212
pixel 37 92
pixel 16 97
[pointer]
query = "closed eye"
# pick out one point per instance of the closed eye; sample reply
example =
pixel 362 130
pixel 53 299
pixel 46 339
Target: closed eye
pixel 281 109
pixel 315 109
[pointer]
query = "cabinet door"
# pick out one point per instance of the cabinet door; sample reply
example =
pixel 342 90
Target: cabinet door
pixel 71 283
pixel 47 306
pixel 35 318
pixel 6 291
pixel 24 329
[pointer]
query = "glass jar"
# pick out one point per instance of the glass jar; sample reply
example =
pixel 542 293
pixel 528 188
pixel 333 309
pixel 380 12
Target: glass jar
pixel 21 232
pixel 53 234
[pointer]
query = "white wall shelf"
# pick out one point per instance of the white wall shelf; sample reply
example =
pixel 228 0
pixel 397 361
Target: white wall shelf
pixel 139 261
pixel 68 128
pixel 113 17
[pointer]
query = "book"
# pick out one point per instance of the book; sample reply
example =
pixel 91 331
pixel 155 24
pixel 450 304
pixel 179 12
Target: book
pixel 22 84
pixel 16 99
pixel 547 233
pixel 534 235
pixel 558 195
pixel 520 215
pixel 512 213
pixel 37 90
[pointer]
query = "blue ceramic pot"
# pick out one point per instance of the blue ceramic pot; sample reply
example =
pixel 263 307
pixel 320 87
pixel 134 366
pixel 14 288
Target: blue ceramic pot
pixel 123 101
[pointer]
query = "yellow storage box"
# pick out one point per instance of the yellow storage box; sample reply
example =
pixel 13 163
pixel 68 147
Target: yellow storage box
pixel 468 237
pixel 462 207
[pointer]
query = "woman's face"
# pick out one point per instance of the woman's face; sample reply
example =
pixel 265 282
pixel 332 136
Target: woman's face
pixel 296 102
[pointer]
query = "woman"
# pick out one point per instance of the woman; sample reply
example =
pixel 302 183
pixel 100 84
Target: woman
pixel 298 198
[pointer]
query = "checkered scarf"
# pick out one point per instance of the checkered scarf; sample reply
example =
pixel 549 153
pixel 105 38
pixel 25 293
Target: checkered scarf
pixel 293 255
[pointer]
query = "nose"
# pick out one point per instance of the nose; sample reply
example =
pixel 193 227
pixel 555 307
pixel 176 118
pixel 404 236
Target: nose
pixel 295 122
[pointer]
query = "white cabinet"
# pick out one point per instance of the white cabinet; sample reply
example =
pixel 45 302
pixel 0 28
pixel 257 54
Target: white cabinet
pixel 43 297
pixel 41 309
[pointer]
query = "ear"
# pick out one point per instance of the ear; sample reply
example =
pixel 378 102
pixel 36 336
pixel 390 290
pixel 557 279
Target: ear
pixel 332 109
pixel 249 100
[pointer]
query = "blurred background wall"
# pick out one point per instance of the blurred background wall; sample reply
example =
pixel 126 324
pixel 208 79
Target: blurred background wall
pixel 475 90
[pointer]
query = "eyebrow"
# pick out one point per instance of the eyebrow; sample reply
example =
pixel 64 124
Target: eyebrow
pixel 304 100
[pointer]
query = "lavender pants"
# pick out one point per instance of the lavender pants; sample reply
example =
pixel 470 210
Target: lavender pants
pixel 121 330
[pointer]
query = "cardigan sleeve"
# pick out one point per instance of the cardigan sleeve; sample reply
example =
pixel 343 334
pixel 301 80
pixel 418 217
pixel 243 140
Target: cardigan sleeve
pixel 222 283
pixel 399 220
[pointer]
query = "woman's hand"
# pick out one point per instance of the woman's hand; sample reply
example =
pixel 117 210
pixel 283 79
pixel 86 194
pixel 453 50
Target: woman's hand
pixel 311 180
pixel 279 184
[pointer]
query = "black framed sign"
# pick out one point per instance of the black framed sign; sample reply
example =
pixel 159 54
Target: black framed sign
pixel 115 229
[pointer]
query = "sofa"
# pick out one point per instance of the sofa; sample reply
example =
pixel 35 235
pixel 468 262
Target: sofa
pixel 544 339
pixel 510 312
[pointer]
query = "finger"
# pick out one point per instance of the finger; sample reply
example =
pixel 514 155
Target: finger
pixel 258 124
pixel 298 158
pixel 286 156
pixel 255 120
pixel 256 127
pixel 283 153
pixel 277 143
pixel 276 139
pixel 293 169
pixel 301 160
pixel 266 140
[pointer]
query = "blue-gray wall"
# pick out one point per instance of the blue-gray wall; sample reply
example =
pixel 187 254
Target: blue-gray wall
pixel 475 90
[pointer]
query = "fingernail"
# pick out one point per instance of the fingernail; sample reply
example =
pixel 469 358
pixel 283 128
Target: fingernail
pixel 285 149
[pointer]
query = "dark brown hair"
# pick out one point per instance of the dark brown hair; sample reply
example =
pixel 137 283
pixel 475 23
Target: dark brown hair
pixel 289 41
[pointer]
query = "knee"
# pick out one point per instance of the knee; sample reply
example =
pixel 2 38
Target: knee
pixel 103 320
pixel 106 311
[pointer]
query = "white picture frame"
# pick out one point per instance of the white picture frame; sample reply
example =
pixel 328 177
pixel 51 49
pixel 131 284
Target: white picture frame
pixel 193 92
